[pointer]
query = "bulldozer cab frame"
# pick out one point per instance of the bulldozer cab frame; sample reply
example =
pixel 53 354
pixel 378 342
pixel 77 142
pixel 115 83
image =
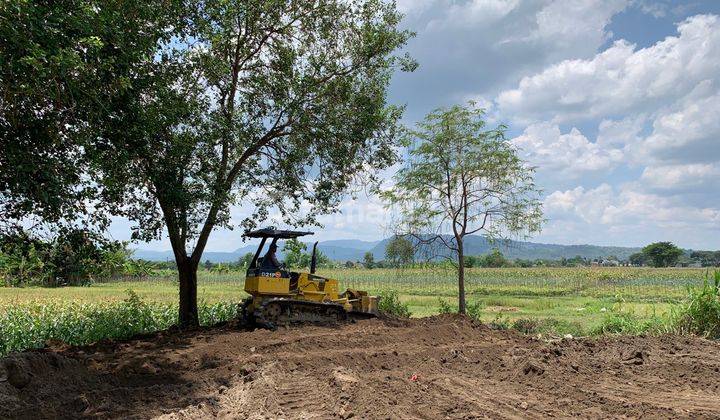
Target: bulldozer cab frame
pixel 276 234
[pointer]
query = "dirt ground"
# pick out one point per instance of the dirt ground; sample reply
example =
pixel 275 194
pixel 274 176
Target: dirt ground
pixel 439 367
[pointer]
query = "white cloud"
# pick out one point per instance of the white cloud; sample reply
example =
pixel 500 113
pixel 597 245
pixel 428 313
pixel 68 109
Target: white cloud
pixel 570 154
pixel 621 133
pixel 480 47
pixel 571 26
pixel 579 203
pixel 680 179
pixel 653 8
pixel 620 79
pixel 656 113
pixel 607 206
pixel 627 215
pixel 474 12
pixel 576 24
pixel 689 133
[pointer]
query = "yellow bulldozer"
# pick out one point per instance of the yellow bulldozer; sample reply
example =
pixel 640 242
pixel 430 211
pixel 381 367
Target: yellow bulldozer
pixel 282 297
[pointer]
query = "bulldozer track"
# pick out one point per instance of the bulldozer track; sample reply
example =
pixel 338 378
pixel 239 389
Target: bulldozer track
pixel 245 318
pixel 279 312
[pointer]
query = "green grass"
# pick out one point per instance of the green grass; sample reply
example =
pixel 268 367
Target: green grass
pixel 585 312
pixel 154 290
pixel 700 315
pixel 578 301
pixel 30 324
pixel 540 278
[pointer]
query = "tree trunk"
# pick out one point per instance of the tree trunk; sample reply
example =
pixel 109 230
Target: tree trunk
pixel 187 270
pixel 461 278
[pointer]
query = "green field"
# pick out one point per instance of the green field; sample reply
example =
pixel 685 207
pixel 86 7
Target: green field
pixel 575 299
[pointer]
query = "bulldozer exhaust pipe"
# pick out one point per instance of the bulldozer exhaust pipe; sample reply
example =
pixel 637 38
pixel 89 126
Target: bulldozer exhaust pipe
pixel 313 260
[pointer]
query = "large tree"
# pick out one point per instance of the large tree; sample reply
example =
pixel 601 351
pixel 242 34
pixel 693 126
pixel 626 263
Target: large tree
pixel 662 254
pixel 262 104
pixel 462 178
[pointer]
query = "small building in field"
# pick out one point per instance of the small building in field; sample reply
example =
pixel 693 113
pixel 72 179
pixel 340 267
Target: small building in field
pixel 610 263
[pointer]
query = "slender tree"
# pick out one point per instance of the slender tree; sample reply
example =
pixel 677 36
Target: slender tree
pixel 264 104
pixel 463 179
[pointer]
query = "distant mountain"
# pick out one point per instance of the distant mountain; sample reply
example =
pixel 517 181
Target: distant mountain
pixel 146 254
pixel 245 249
pixel 337 250
pixel 354 250
pixel 480 245
pixel 351 244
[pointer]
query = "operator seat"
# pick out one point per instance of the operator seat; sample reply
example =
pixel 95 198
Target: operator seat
pixel 269 264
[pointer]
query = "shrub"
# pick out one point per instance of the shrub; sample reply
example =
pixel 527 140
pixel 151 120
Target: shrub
pixel 619 323
pixel 526 325
pixel 628 323
pixel 390 304
pixel 550 326
pixel 494 259
pixel 701 314
pixel 500 323
pixel 446 308
pixel 474 310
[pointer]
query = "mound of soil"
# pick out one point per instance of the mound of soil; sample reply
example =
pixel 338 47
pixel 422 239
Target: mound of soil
pixel 439 367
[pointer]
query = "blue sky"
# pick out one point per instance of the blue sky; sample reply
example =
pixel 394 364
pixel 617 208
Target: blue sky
pixel 615 101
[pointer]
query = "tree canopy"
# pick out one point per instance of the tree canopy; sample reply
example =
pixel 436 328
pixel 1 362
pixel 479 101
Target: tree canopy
pixel 369 260
pixel 293 250
pixel 494 259
pixel 706 258
pixel 662 254
pixel 399 251
pixel 638 258
pixel 64 67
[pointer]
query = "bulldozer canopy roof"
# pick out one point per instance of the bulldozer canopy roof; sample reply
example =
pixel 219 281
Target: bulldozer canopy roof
pixel 275 233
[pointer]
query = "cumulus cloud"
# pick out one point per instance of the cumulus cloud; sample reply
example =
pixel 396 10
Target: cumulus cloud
pixel 579 203
pixel 622 132
pixel 689 133
pixel 606 214
pixel 576 24
pixel 689 178
pixel 605 205
pixel 569 154
pixel 655 110
pixel 620 79
pixel 480 47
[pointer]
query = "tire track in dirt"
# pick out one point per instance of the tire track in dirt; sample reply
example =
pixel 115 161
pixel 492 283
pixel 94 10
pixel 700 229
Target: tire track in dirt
pixel 438 367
